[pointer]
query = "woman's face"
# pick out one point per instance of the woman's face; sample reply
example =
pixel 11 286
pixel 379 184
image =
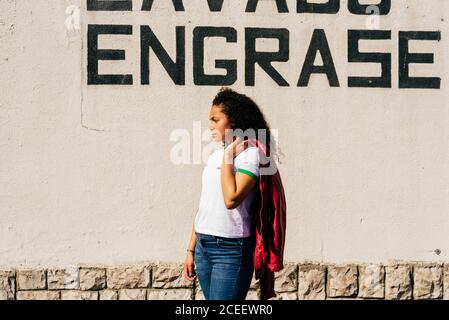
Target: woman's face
pixel 218 123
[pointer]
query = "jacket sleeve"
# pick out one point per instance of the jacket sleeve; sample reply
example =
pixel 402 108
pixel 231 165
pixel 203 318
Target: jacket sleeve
pixel 267 285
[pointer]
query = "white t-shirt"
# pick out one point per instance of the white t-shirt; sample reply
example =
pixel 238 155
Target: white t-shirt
pixel 213 217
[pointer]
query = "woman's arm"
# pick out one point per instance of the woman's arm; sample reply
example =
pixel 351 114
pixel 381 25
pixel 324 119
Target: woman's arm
pixel 235 188
pixel 189 262
pixel 192 242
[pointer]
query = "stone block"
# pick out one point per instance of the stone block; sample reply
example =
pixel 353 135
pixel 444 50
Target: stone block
pixel 342 281
pixel 311 282
pixel 38 295
pixel 169 276
pixel 7 284
pixel 372 281
pixel 398 282
pixel 63 278
pixel 108 294
pixel 79 295
pixel 92 278
pixel 128 277
pixel 287 279
pixel 427 282
pixel 132 294
pixel 31 279
pixel 170 294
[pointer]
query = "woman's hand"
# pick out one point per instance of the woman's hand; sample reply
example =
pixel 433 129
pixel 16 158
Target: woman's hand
pixel 233 149
pixel 189 268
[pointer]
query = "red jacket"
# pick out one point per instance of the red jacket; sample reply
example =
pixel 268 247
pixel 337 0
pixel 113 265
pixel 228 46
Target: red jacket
pixel 269 226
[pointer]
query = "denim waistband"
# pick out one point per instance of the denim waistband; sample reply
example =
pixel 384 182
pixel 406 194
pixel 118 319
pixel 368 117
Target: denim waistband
pixel 211 236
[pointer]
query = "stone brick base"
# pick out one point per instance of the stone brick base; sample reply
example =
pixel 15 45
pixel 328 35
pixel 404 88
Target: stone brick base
pixel 303 281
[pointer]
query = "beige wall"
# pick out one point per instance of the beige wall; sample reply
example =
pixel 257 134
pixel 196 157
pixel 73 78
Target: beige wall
pixel 85 170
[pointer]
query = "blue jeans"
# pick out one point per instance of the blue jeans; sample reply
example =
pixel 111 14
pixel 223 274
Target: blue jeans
pixel 224 266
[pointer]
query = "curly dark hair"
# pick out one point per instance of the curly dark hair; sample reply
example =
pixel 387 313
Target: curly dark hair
pixel 243 113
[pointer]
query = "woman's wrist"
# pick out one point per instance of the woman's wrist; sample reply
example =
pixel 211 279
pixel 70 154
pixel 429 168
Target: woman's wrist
pixel 228 157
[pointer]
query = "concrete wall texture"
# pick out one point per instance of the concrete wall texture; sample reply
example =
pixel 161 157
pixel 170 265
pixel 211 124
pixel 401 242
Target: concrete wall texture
pixel 86 172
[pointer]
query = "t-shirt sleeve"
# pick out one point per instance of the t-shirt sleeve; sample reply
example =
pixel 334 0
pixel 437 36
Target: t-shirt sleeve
pixel 247 162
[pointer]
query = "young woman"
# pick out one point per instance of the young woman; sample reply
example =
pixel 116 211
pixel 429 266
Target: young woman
pixel 222 241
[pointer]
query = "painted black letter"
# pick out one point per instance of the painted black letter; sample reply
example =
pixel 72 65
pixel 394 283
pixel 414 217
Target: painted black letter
pixel 176 70
pixel 252 5
pixel 147 4
pixel 108 5
pixel 94 54
pixel 354 55
pixel 215 5
pixel 356 8
pixel 199 78
pixel 405 58
pixel 318 43
pixel 264 59
pixel 332 6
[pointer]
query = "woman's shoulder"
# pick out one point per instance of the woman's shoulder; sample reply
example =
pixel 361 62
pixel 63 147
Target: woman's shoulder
pixel 251 152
